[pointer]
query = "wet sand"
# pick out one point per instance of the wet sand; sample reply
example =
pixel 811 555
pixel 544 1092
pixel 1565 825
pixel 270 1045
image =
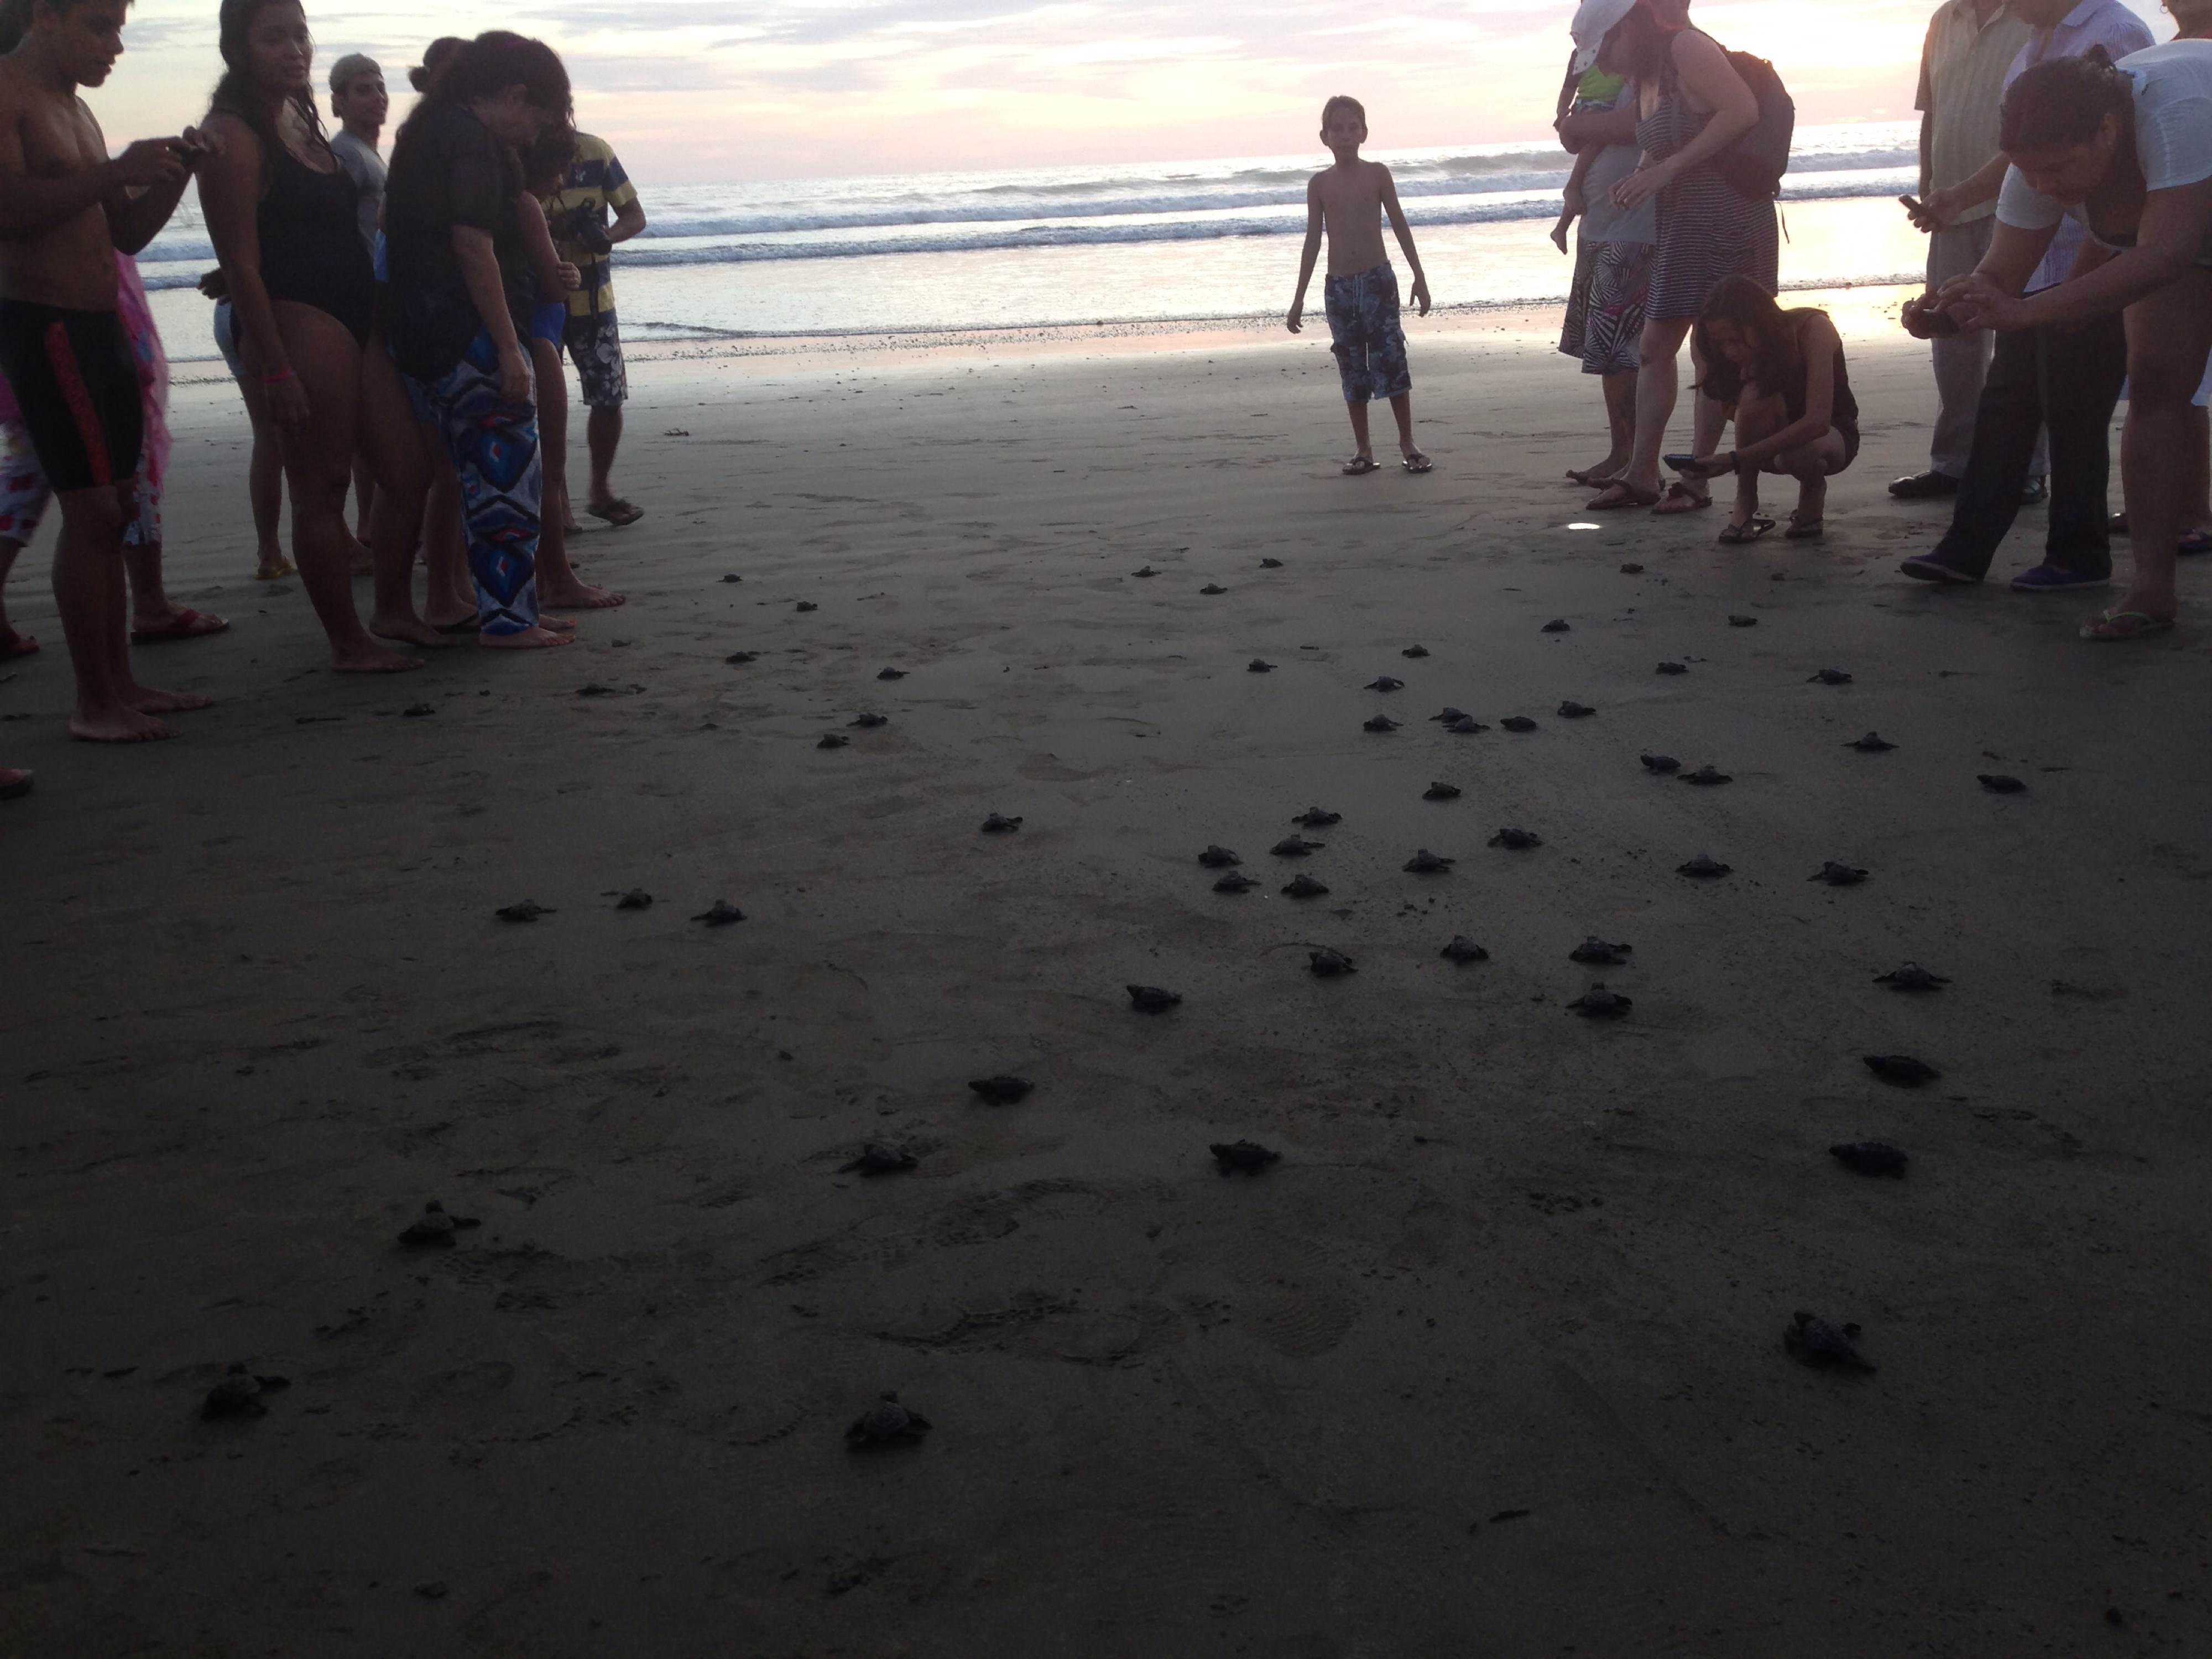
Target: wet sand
pixel 1489 1364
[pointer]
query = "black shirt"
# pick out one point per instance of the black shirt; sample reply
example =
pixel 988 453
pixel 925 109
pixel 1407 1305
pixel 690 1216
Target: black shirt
pixel 446 170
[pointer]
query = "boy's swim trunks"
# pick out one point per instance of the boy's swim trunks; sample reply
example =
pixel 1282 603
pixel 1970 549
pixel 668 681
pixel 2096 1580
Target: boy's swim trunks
pixel 1368 344
pixel 76 383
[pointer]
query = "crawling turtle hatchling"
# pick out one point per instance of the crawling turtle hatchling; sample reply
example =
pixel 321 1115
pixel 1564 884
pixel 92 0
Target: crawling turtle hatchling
pixel 1743 622
pixel 1441 792
pixel 886 1424
pixel 833 740
pixel 1447 714
pixel 597 689
pixel 732 576
pixel 1557 625
pixel 1999 784
pixel 1673 668
pixel 1703 868
pixel 1903 1070
pixel 1838 875
pixel 721 914
pixel 1147 571
pixel 739 658
pixel 1462 950
pixel 890 673
pixel 1465 726
pixel 1518 723
pixel 1219 858
pixel 1271 564
pixel 1912 977
pixel 435 1227
pixel 1571 710
pixel 636 899
pixel 1259 666
pixel 1415 652
pixel 1246 1156
pixel 1325 964
pixel 1315 818
pixel 1295 847
pixel 869 722
pixel 1516 840
pixel 878 1159
pixel 1596 952
pixel 1660 765
pixel 1384 682
pixel 528 910
pixel 1873 744
pixel 1707 777
pixel 1302 887
pixel 1598 1003
pixel 806 606
pixel 1382 723
pixel 999 824
pixel 1002 1091
pixel 1830 677
pixel 1235 882
pixel 1815 1341
pixel 1631 570
pixel 416 711
pixel 239 1394
pixel 1870 1157
pixel 1425 863
pixel 1150 999
pixel 1213 588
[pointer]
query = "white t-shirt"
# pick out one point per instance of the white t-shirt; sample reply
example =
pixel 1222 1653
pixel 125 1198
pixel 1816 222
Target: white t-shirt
pixel 2173 131
pixel 366 168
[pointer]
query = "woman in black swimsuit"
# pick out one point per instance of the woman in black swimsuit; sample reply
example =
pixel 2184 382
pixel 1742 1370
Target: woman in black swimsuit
pixel 1794 415
pixel 280 211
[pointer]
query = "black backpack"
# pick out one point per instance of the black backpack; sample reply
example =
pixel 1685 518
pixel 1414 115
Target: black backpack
pixel 1754 164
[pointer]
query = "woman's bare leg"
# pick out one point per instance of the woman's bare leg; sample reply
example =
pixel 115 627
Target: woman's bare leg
pixel 265 484
pixel 2169 334
pixel 1657 387
pixel 558 584
pixel 390 443
pixel 445 548
pixel 1758 415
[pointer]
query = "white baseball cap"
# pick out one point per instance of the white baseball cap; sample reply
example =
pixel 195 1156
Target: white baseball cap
pixel 1594 21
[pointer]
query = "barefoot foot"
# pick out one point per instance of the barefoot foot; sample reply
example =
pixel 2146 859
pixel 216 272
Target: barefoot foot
pixel 529 639
pixel 580 596
pixel 148 701
pixel 407 630
pixel 117 723
pixel 274 570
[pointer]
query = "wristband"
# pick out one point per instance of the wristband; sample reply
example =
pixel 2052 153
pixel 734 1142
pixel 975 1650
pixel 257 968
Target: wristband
pixel 278 379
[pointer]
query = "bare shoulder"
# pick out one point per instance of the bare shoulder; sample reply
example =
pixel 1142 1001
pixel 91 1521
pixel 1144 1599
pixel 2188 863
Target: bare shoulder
pixel 1379 176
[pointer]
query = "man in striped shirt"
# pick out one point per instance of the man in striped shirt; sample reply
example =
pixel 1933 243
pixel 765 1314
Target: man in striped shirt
pixel 595 208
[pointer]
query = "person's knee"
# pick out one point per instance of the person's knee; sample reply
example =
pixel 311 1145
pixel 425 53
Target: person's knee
pixel 2161 382
pixel 101 513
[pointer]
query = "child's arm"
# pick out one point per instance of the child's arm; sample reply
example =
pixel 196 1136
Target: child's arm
pixel 554 278
pixel 1575 198
pixel 1421 289
pixel 1309 254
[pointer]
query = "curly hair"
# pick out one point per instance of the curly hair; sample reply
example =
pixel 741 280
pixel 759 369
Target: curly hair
pixel 2062 102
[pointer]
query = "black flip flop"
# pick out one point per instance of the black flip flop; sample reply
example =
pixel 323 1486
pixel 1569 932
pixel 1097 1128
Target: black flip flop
pixel 1419 463
pixel 617 511
pixel 1360 466
pixel 1805 530
pixel 1736 535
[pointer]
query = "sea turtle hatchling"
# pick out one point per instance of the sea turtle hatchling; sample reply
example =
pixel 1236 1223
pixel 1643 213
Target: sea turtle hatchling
pixel 1384 682
pixel 1302 887
pixel 868 722
pixel 833 740
pixel 1295 847
pixel 435 1227
pixel 416 711
pixel 239 1394
pixel 1259 666
pixel 1660 765
pixel 636 899
pixel 1425 863
pixel 1518 723
pixel 805 606
pixel 528 910
pixel 878 1159
pixel 1516 840
pixel 1557 625
pixel 1442 792
pixel 1873 744
pixel 1912 977
pixel 1447 714
pixel 1271 564
pixel 1315 818
pixel 1235 882
pixel 1246 1156
pixel 1002 1090
pixel 1596 952
pixel 1703 868
pixel 720 914
pixel 1465 726
pixel 1147 571
pixel 732 576
pixel 1000 824
pixel 1838 875
pixel 1382 723
pixel 1631 570
pixel 1415 652
pixel 1212 589
pixel 1903 1070
pixel 1998 783
pixel 1707 777
pixel 1219 858
pixel 1870 1157
pixel 1673 668
pixel 1816 1342
pixel 739 658
pixel 1151 999
pixel 890 673
pixel 1598 1003
pixel 1325 964
pixel 1571 710
pixel 1743 622
pixel 1829 677
pixel 1462 950
pixel 886 1424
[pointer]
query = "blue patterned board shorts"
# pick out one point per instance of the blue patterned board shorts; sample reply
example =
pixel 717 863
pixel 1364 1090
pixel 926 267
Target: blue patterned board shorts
pixel 1370 345
pixel 494 445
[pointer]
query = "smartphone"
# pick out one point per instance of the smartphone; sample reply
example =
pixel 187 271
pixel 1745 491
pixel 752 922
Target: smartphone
pixel 1911 204
pixel 1681 463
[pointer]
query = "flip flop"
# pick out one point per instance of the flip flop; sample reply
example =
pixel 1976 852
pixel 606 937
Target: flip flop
pixel 1679 491
pixel 17 645
pixel 1736 535
pixel 1628 495
pixel 617 512
pixel 182 624
pixel 287 568
pixel 13 784
pixel 2118 627
pixel 1360 466
pixel 1805 530
pixel 1419 463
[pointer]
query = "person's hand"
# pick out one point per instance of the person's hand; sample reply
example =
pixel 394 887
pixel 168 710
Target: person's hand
pixel 1296 320
pixel 571 279
pixel 1643 183
pixel 514 385
pixel 1576 200
pixel 1924 318
pixel 1938 209
pixel 1974 301
pixel 1559 235
pixel 1421 294
pixel 215 285
pixel 288 403
pixel 150 164
pixel 196 146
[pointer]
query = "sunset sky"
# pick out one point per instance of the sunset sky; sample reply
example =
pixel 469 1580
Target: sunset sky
pixel 701 90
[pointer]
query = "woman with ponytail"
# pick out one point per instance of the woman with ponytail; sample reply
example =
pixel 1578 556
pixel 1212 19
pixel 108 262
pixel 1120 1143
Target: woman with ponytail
pixel 280 211
pixel 2125 149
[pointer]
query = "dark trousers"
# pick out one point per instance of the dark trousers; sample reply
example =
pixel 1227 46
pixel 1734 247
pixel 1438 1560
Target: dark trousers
pixel 2069 381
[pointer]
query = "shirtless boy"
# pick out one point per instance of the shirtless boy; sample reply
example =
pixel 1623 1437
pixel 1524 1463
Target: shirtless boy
pixel 1348 201
pixel 64 210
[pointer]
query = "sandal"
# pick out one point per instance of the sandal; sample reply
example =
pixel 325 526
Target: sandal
pixel 13 784
pixel 2117 627
pixel 1620 495
pixel 1418 463
pixel 1691 501
pixel 1805 530
pixel 1751 530
pixel 617 512
pixel 182 624
pixel 1360 466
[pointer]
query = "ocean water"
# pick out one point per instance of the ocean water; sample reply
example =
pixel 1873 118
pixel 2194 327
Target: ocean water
pixel 1137 243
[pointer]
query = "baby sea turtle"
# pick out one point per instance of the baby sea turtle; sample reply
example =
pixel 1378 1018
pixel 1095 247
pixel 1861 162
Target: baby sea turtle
pixel 528 910
pixel 1002 1091
pixel 1463 949
pixel 434 1227
pixel 1743 622
pixel 1660 765
pixel 636 899
pixel 1869 1157
pixel 1903 1070
pixel 869 722
pixel 732 576
pixel 1673 668
pixel 1416 652
pixel 1873 744
pixel 833 740
pixel 1382 723
pixel 1147 571
pixel 1213 589
pixel 1516 840
pixel 1465 726
pixel 1598 1003
pixel 1150 999
pixel 416 711
pixel 1219 858
pixel 1425 863
pixel 1448 715
pixel 1706 777
pixel 1384 682
pixel 1259 666
pixel 1441 792
pixel 1518 723
pixel 1912 977
pixel 878 1159
pixel 1248 1156
pixel 1271 564
pixel 1235 883
pixel 1818 1343
pixel 885 1424
pixel 1599 953
pixel 1571 710
pixel 806 606
pixel 739 658
pixel 1999 784
pixel 999 824
pixel 1304 887
pixel 239 1394
pixel 1831 676
pixel 1557 625
pixel 597 689
pixel 1631 570
pixel 1325 964
pixel 1314 819
pixel 1837 875
pixel 1295 847
pixel 890 673
pixel 722 913
pixel 1703 867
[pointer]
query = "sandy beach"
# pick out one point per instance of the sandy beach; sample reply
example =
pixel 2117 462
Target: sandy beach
pixel 1490 1362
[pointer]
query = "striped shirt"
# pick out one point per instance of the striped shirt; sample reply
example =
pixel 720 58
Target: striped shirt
pixel 598 188
pixel 1962 81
